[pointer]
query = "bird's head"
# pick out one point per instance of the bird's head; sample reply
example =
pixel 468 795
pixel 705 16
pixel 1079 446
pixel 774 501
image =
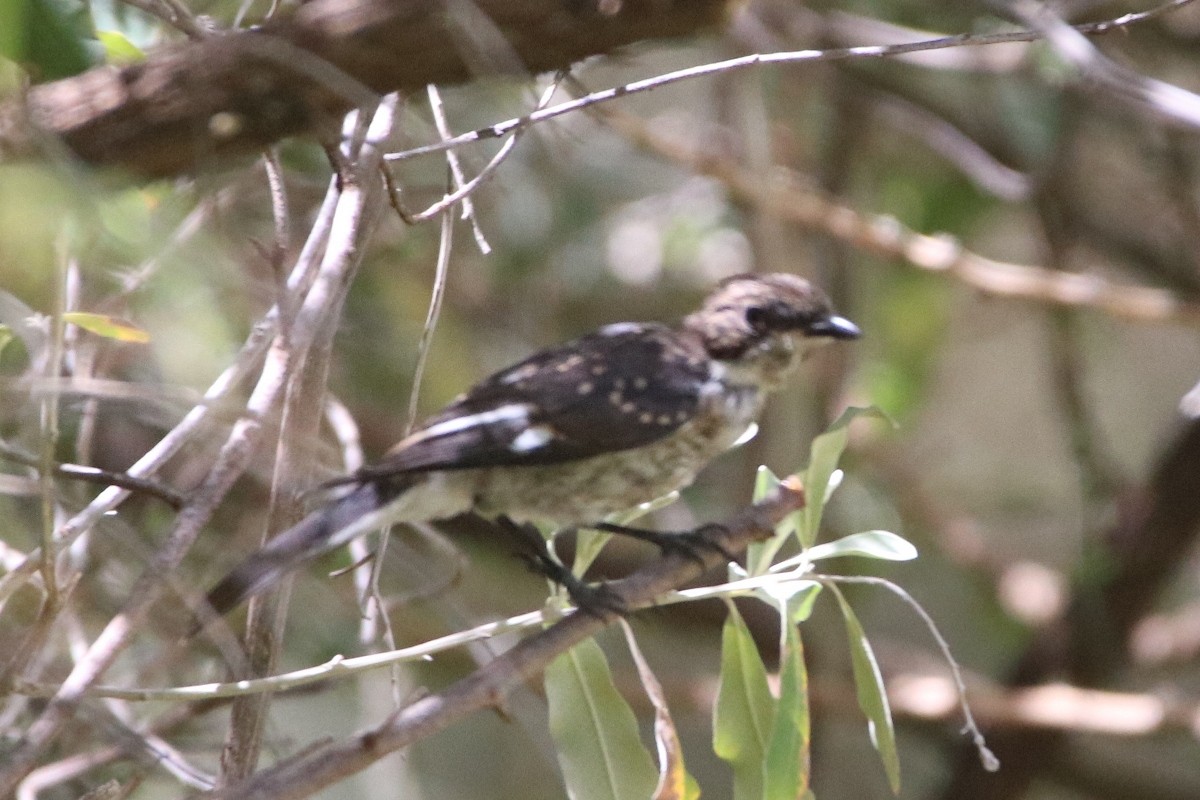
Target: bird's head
pixel 757 321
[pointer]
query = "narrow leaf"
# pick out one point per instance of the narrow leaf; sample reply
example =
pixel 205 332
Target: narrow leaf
pixel 872 697
pixel 594 730
pixel 118 49
pixel 674 782
pixel 883 545
pixel 745 711
pixel 108 326
pixel 760 554
pixel 786 768
pixel 824 454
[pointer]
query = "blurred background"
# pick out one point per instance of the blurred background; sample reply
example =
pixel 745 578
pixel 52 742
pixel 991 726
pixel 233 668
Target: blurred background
pixel 1043 459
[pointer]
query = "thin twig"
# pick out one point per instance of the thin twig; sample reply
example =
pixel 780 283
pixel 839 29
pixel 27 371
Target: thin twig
pixel 464 191
pixel 788 195
pixel 445 243
pixel 986 757
pixel 308 353
pixel 456 170
pixel 280 215
pixel 348 226
pixel 1170 104
pixel 103 477
pixel 501 129
pixel 485 687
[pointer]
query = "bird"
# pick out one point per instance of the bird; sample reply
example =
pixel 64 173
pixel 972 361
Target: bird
pixel 575 432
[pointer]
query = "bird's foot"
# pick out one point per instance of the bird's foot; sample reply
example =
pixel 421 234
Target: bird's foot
pixel 598 600
pixel 688 544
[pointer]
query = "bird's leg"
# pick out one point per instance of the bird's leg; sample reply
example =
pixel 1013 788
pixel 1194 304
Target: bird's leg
pixel 689 544
pixel 598 600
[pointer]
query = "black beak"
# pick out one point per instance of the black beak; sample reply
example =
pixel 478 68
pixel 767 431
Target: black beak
pixel 834 327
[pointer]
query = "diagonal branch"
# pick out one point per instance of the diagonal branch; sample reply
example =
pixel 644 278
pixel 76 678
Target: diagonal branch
pixel 197 102
pixel 484 688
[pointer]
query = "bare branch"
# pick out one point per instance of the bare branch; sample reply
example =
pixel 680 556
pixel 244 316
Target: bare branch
pixel 482 689
pixel 787 195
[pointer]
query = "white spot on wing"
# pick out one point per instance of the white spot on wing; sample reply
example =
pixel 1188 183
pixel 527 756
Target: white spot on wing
pixel 518 375
pixel 532 439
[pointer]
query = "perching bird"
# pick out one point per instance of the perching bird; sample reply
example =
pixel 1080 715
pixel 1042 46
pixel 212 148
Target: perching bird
pixel 574 432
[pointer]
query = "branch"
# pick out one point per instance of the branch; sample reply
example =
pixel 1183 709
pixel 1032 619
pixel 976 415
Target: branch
pixel 103 477
pixel 785 194
pixel 321 302
pixel 484 688
pixel 1146 548
pixel 198 102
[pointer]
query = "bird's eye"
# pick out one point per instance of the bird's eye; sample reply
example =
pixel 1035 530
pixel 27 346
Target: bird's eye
pixel 756 317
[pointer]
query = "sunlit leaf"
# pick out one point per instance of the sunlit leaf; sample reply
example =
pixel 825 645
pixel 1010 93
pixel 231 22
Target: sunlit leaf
pixel 107 326
pixel 787 763
pixel 594 730
pixel 872 697
pixel 745 711
pixel 674 782
pixel 118 49
pixel 883 545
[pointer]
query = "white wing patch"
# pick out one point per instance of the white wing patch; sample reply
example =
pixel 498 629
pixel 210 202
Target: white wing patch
pixel 506 413
pixel 532 439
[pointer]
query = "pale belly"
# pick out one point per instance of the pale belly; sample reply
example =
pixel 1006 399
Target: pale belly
pixel 589 490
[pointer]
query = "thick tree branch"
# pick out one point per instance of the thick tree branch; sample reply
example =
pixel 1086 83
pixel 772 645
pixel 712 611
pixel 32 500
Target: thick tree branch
pixel 482 689
pixel 199 102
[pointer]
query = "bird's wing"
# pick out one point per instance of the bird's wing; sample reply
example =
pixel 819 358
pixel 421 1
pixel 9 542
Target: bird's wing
pixel 622 387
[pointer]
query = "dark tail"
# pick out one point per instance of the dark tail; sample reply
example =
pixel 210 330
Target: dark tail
pixel 323 530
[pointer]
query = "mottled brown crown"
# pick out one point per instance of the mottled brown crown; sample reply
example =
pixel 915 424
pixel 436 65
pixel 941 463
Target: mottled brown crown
pixel 744 310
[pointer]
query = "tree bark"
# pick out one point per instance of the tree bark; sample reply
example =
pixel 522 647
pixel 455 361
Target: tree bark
pixel 193 105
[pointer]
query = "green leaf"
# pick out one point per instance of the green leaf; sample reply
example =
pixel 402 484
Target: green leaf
pixel 800 603
pixel 107 326
pixel 760 554
pixel 883 545
pixel 118 49
pixel 872 697
pixel 46 37
pixel 594 730
pixel 824 454
pixel 786 768
pixel 745 711
pixel 6 336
